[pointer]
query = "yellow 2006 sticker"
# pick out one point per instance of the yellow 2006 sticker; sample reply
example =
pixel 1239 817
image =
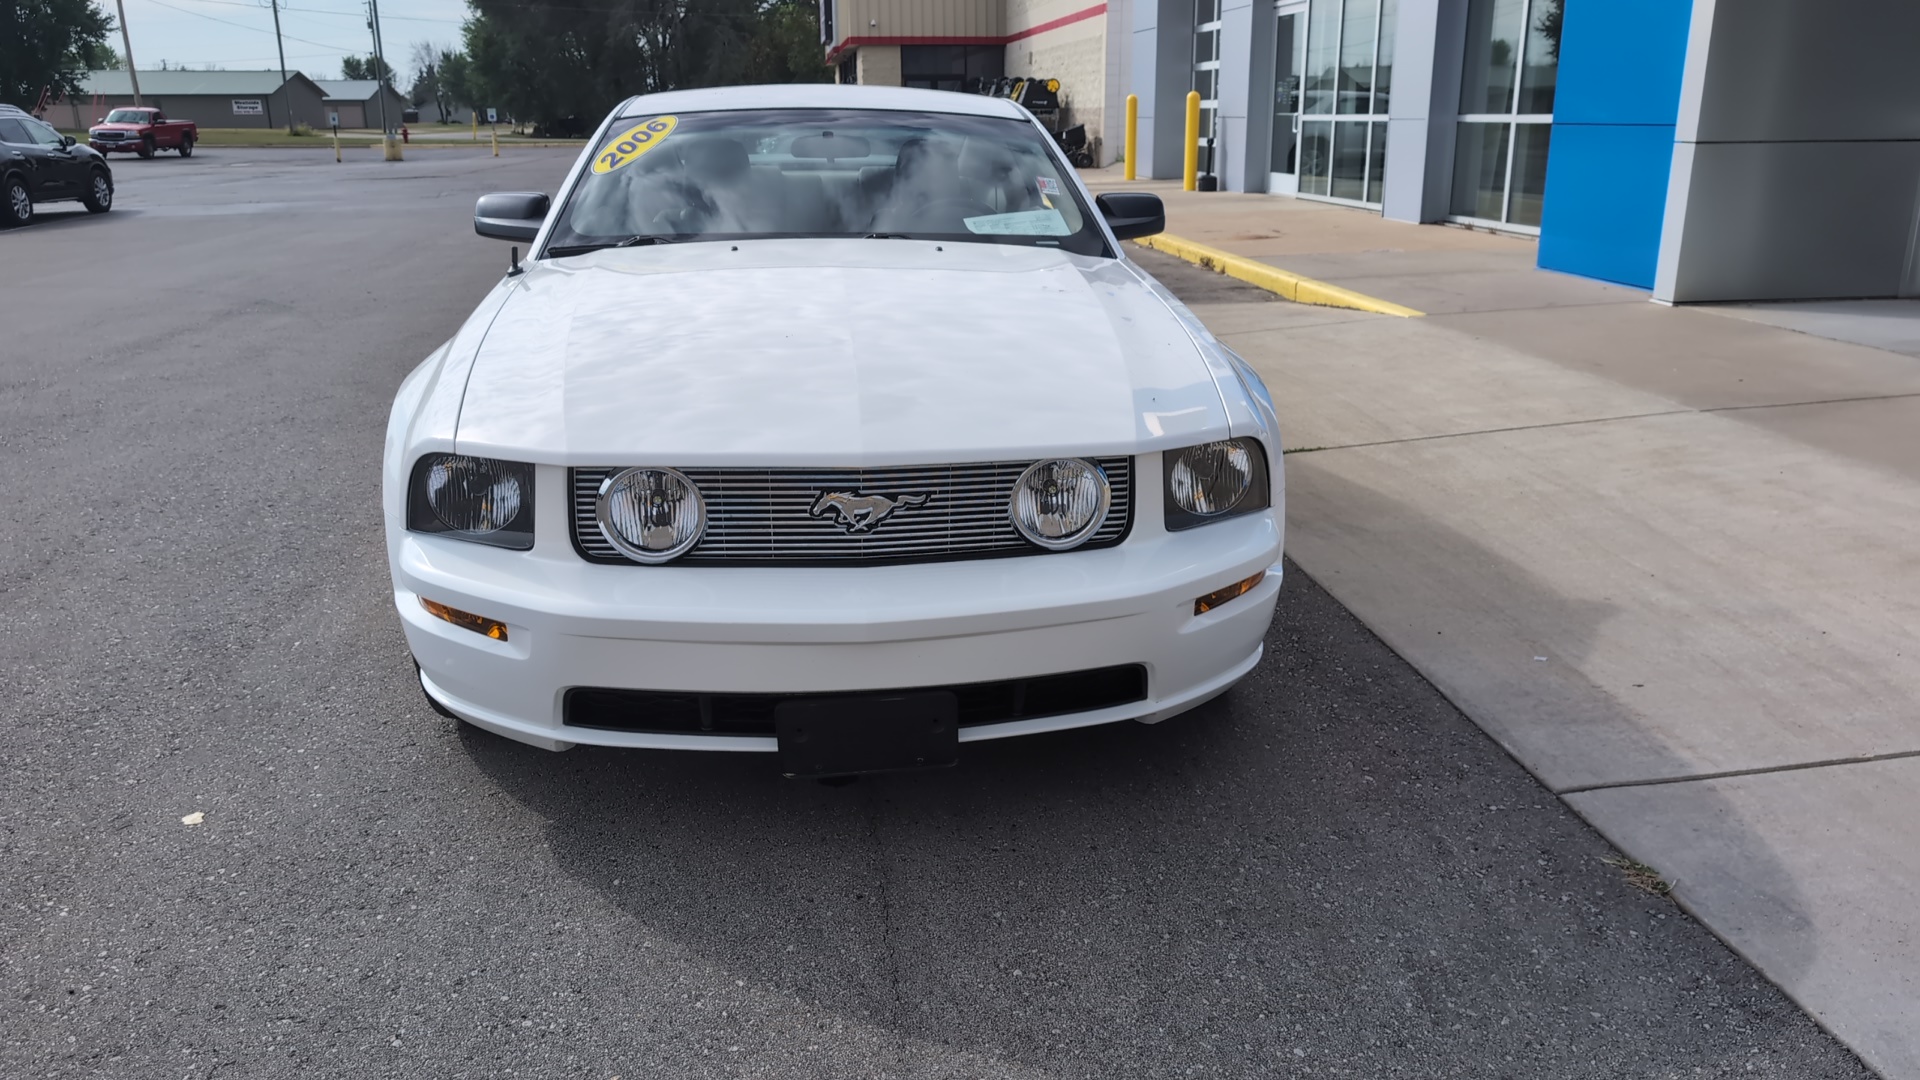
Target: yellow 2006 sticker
pixel 627 147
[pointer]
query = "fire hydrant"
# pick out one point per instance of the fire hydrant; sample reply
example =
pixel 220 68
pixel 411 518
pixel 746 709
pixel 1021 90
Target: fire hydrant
pixel 405 135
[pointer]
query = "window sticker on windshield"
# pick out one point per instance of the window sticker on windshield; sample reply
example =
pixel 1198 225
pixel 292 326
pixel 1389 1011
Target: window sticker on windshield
pixel 627 147
pixel 1047 184
pixel 1021 223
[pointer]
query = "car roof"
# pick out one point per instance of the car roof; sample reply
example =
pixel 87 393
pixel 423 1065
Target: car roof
pixel 10 110
pixel 818 96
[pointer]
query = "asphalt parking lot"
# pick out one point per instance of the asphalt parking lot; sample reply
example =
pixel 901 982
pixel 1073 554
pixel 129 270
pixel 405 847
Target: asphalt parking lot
pixel 1329 872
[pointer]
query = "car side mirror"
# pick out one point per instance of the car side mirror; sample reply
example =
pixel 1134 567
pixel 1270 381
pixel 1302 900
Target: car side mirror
pixel 1132 214
pixel 511 215
pixel 67 140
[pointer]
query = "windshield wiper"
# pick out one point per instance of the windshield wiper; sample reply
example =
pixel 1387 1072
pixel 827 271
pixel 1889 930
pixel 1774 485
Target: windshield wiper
pixel 565 250
pixel 886 236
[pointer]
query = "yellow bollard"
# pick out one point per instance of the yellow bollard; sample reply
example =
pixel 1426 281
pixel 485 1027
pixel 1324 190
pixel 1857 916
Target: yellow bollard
pixel 1190 179
pixel 496 141
pixel 1133 131
pixel 336 146
pixel 476 127
pixel 392 143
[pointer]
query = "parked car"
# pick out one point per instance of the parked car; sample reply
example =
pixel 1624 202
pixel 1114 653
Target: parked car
pixel 40 165
pixel 143 131
pixel 830 421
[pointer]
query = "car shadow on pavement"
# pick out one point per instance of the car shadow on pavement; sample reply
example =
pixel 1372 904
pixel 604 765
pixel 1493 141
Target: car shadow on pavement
pixel 1329 869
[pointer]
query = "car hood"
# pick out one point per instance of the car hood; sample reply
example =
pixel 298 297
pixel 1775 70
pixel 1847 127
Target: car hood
pixel 833 352
pixel 119 127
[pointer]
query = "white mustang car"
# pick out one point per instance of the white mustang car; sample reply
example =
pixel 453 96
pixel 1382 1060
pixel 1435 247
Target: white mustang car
pixel 832 421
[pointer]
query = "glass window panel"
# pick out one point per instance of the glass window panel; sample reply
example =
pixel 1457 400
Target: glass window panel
pixel 1350 161
pixel 1480 170
pixel 985 61
pixel 1540 68
pixel 1323 40
pixel 1383 71
pixel 1205 11
pixel 1286 93
pixel 1529 173
pixel 1285 145
pixel 1316 155
pixel 1376 160
pixel 1207 82
pixel 1493 39
pixel 1356 56
pixel 1206 46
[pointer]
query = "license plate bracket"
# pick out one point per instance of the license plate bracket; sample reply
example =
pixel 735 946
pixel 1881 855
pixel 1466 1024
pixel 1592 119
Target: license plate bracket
pixel 868 733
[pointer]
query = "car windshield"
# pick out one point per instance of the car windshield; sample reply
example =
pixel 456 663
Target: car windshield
pixel 824 173
pixel 128 116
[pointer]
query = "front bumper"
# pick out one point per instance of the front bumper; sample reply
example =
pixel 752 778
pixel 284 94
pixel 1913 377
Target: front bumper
pixel 818 630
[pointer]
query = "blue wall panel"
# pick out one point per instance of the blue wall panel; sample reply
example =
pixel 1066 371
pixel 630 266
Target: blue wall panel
pixel 1614 109
pixel 1606 197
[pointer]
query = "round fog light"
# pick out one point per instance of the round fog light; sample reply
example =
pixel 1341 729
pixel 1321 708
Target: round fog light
pixel 651 515
pixel 1060 504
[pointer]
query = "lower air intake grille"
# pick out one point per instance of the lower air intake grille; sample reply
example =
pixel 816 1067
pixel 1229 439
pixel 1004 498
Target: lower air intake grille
pixel 674 713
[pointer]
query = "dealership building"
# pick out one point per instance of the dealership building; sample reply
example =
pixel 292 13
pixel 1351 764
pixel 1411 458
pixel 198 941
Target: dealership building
pixel 1700 149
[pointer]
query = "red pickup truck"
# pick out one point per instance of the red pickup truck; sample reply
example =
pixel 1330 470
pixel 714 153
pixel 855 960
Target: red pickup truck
pixel 143 131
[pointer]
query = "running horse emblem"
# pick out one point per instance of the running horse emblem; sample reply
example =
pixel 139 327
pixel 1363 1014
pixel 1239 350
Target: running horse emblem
pixel 862 513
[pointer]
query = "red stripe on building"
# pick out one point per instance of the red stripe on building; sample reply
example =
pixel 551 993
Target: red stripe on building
pixel 1002 39
pixel 1055 24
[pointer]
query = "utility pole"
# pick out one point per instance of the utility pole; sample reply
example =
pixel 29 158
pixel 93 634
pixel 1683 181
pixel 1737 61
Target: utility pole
pixel 392 152
pixel 379 62
pixel 283 63
pixel 126 41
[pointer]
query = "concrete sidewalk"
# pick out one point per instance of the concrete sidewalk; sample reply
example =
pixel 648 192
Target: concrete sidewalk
pixel 1666 557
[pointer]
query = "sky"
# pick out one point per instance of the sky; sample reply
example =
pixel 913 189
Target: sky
pixel 237 34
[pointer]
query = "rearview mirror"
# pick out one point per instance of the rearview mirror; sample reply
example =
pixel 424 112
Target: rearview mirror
pixel 67 140
pixel 511 215
pixel 1132 214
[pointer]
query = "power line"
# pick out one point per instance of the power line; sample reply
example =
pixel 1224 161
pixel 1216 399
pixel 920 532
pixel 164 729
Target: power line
pixel 328 11
pixel 244 26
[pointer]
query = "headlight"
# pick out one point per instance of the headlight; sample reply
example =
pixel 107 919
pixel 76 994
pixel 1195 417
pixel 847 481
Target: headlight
pixel 651 515
pixel 1060 504
pixel 1215 480
pixel 472 498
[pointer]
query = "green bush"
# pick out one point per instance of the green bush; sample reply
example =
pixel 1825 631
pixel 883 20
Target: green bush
pixel 303 129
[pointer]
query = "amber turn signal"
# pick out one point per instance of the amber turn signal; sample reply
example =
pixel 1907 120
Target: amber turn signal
pixel 1232 592
pixel 466 620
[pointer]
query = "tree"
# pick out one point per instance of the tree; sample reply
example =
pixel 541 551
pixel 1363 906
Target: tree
pixel 48 46
pixel 361 67
pixel 786 44
pixel 564 62
pixel 454 73
pixel 426 78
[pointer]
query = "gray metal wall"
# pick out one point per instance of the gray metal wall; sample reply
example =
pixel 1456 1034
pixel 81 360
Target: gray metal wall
pixel 1796 166
pixel 1162 74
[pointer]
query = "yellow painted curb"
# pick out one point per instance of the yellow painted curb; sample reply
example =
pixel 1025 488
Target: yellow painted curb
pixel 1283 283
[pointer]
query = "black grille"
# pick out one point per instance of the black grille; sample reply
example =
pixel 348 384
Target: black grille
pixel 672 713
pixel 760 516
